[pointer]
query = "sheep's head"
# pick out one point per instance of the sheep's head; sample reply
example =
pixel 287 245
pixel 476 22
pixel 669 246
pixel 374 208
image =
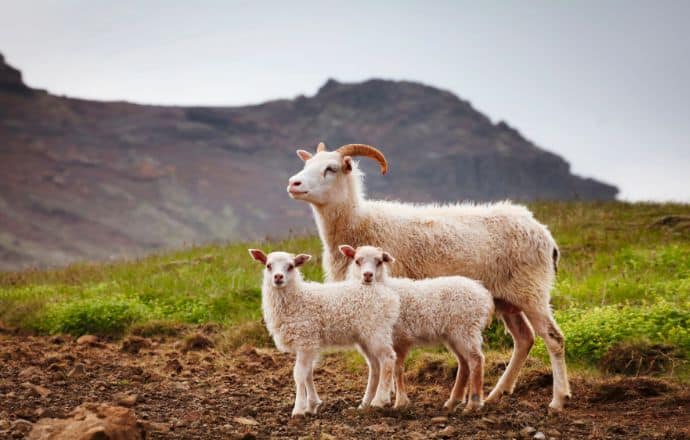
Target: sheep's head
pixel 326 173
pixel 367 263
pixel 279 267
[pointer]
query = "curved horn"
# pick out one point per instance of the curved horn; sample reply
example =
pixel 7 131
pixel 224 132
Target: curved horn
pixel 365 150
pixel 321 147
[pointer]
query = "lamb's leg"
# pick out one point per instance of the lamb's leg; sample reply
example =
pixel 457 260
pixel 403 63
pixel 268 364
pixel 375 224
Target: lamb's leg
pixel 313 400
pixel 545 326
pixel 401 399
pixel 476 373
pixel 386 358
pixel 523 339
pixel 300 373
pixel 459 390
pixel 373 379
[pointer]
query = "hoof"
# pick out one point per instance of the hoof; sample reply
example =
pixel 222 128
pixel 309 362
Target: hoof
pixel 313 407
pixel 450 405
pixel 472 408
pixel 555 406
pixel 401 402
pixel 380 403
pixel 297 413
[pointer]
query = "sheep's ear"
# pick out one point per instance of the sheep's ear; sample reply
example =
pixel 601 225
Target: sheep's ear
pixel 258 255
pixel 347 164
pixel 304 155
pixel 301 259
pixel 387 258
pixel 347 250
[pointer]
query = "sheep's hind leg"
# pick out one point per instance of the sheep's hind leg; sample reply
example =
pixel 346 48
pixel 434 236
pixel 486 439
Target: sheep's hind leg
pixel 547 328
pixel 476 367
pixel 386 359
pixel 459 391
pixel 523 339
pixel 401 399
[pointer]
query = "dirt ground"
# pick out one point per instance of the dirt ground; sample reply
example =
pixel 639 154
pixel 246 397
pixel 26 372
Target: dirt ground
pixel 193 391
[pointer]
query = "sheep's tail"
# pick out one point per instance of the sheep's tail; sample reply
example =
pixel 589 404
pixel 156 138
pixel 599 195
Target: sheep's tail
pixel 555 255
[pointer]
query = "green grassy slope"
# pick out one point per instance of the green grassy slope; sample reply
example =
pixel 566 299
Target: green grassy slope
pixel 624 278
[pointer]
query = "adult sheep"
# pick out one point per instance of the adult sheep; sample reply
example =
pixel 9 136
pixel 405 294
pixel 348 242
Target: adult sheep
pixel 500 244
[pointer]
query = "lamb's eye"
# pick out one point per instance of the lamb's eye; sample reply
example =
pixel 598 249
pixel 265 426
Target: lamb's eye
pixel 379 262
pixel 328 169
pixel 358 262
pixel 269 267
pixel 290 267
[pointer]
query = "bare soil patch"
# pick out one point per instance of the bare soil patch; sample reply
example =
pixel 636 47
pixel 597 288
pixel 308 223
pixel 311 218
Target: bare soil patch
pixel 201 393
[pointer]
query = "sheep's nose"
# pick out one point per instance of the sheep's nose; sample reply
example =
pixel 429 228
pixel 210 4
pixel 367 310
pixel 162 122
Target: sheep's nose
pixel 295 183
pixel 368 276
pixel 278 277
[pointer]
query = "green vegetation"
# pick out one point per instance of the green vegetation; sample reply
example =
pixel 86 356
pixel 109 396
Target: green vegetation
pixel 624 278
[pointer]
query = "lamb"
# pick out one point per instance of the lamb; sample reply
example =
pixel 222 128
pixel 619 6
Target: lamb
pixel 450 310
pixel 305 317
pixel 499 244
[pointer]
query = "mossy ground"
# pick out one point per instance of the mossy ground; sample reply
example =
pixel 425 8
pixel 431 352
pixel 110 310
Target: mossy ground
pixel 624 281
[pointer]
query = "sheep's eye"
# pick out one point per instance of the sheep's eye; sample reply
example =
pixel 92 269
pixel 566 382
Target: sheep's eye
pixel 379 262
pixel 290 267
pixel 269 267
pixel 358 262
pixel 327 170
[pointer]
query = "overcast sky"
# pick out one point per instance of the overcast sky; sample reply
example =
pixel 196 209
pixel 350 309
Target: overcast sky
pixel 604 84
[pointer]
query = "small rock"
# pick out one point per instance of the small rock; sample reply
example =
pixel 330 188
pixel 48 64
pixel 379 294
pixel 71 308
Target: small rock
pixel 580 422
pixel 87 340
pixel 196 341
pixel 440 420
pixel 245 421
pixel 4 424
pixel 21 425
pixel 77 371
pixel 447 432
pixel 157 427
pixel 30 373
pixel 527 432
pixel 539 436
pixel 380 428
pixel 553 433
pixel 510 435
pixel 134 344
pixel 414 435
pixel 327 436
pixel 173 365
pixel 38 389
pixel 350 412
pixel 128 400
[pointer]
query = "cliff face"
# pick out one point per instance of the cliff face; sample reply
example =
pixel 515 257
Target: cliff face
pixel 94 180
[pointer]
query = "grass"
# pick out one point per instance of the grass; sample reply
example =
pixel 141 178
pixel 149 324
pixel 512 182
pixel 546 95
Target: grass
pixel 624 276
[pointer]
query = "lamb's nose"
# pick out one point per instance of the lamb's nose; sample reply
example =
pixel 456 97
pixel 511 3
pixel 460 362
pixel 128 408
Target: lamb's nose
pixel 368 276
pixel 278 277
pixel 295 183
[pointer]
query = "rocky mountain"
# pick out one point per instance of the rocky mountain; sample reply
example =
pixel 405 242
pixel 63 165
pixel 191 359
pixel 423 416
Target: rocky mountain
pixel 94 180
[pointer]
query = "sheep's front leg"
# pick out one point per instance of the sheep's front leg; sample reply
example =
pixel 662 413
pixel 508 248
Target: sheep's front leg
pixel 373 379
pixel 313 400
pixel 300 373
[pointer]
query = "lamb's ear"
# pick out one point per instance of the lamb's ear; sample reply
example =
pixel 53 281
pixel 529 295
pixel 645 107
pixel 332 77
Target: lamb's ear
pixel 304 155
pixel 387 258
pixel 258 255
pixel 301 259
pixel 347 164
pixel 347 250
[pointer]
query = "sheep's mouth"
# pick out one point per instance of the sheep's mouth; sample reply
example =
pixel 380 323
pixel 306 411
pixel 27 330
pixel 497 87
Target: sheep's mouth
pixel 295 193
